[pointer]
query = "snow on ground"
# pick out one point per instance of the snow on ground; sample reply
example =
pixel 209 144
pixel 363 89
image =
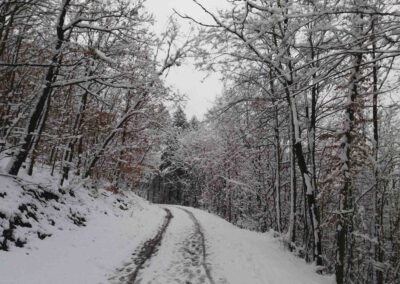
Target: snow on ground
pixel 232 255
pixel 87 255
pixel 241 256
pixel 111 227
pixel 87 234
pixel 178 260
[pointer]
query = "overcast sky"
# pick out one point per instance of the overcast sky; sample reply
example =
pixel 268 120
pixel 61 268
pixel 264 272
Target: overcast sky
pixel 201 93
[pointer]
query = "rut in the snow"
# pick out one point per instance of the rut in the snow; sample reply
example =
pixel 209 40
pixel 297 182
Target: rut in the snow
pixel 148 249
pixel 199 237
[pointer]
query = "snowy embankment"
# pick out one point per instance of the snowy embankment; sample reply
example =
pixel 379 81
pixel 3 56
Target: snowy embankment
pixel 81 235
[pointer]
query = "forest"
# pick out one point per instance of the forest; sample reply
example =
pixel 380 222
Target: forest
pixel 304 140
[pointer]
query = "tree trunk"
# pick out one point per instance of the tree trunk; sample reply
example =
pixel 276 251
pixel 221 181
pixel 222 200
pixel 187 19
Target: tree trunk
pixel 313 209
pixel 69 151
pixel 16 162
pixel 293 189
pixel 378 254
pixel 345 214
pixel 37 138
pixel 277 173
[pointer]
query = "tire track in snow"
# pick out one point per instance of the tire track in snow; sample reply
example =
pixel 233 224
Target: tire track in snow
pixel 199 232
pixel 145 253
pixel 189 258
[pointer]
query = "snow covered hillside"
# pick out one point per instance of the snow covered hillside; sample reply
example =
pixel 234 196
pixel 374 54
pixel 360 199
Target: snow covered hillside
pixel 78 236
pixel 88 235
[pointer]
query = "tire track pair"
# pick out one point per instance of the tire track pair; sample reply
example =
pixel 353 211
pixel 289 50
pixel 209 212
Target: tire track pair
pixel 194 250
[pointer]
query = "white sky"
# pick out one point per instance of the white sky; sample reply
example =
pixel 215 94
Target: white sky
pixel 201 93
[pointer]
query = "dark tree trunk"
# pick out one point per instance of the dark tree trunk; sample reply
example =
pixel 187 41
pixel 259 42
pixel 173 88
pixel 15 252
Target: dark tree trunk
pixel 69 152
pixel 23 151
pixel 377 200
pixel 345 214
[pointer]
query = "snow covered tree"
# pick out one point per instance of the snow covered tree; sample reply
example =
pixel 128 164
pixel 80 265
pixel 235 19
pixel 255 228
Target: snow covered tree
pixel 179 119
pixel 94 89
pixel 194 123
pixel 314 71
pixel 173 171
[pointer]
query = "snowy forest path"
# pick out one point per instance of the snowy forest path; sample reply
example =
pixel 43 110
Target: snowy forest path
pixel 201 241
pixel 129 273
pixel 177 254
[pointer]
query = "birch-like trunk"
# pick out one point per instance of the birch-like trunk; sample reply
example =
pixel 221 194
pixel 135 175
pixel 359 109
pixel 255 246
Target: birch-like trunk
pixel 313 209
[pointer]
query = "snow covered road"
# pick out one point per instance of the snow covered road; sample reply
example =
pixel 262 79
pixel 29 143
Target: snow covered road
pixel 198 247
pixel 180 258
pixel 238 256
pixel 147 244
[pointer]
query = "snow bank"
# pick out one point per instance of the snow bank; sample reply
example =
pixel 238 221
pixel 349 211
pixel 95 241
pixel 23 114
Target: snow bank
pixel 87 233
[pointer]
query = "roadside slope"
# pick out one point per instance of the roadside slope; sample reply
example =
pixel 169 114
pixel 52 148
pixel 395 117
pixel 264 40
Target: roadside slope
pixel 88 232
